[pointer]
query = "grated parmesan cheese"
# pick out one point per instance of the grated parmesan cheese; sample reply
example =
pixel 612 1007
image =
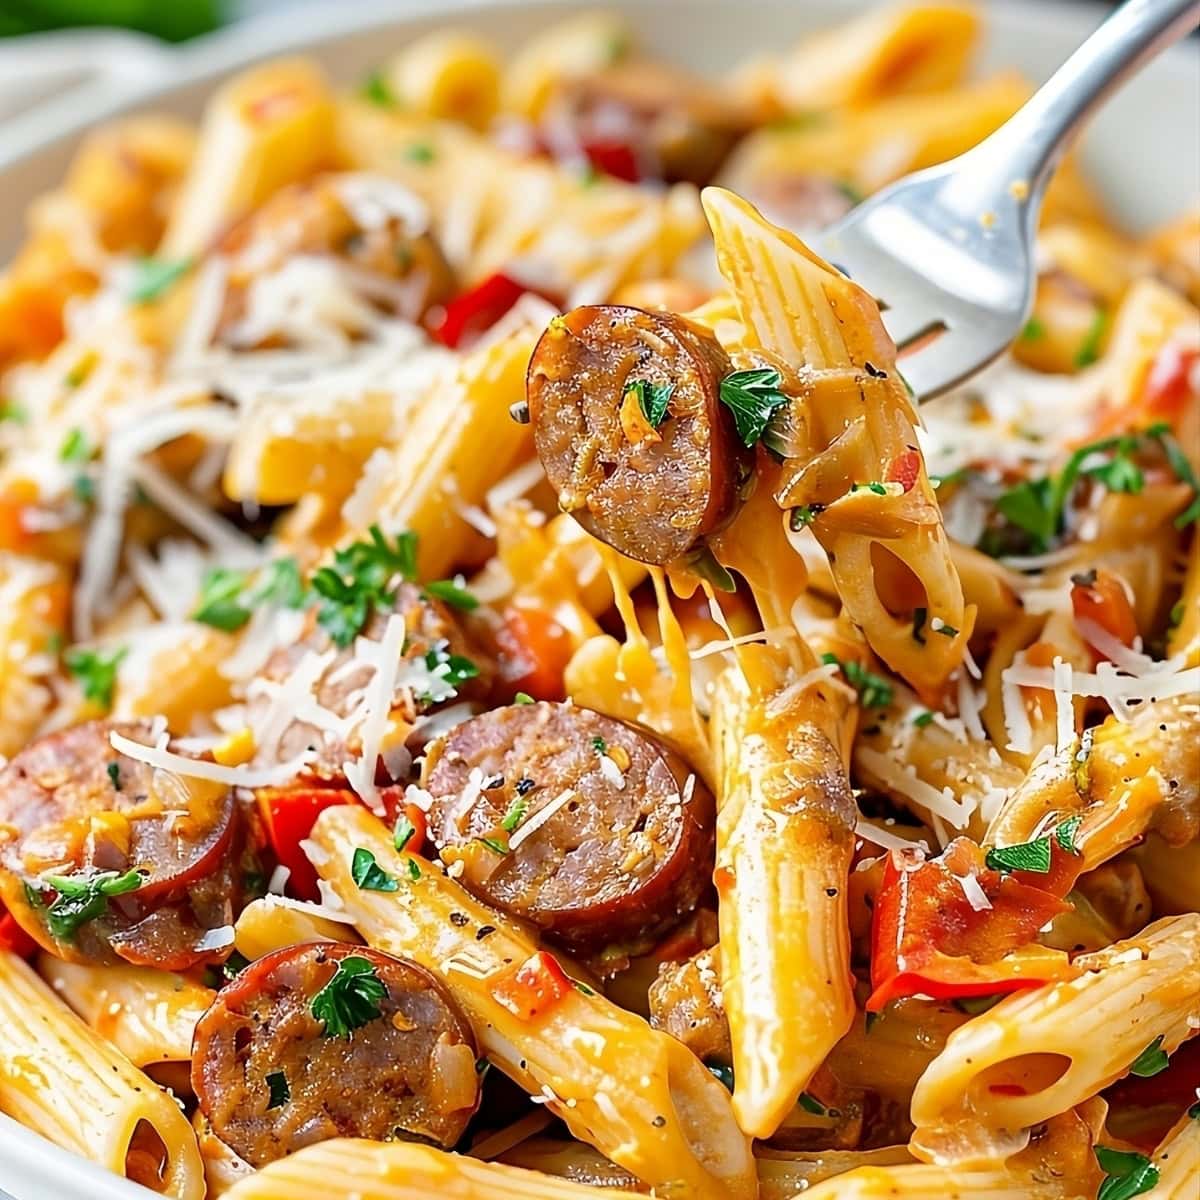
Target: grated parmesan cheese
pixel 539 818
pixel 194 768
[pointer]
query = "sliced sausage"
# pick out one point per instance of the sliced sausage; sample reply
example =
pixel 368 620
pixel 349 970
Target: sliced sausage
pixel 432 635
pixel 627 850
pixel 650 493
pixel 273 1072
pixel 685 1001
pixel 360 220
pixel 71 806
pixel 671 125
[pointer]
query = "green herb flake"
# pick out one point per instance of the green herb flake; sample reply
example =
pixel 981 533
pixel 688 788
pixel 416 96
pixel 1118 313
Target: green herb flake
pixel 873 486
pixel 83 489
pixel 523 698
pixel 11 411
pixel 920 616
pixel 582 988
pixel 802 516
pixel 220 603
pixel 114 775
pixel 351 997
pixel 368 874
pixel 922 719
pixel 358 580
pixel 1089 348
pixel 811 1104
pixel 752 396
pixel 515 814
pixel 414 871
pixel 873 690
pixel 280 583
pixel 452 592
pixel 1065 831
pixel 84 896
pixel 451 669
pixel 151 277
pixel 847 189
pixel 1034 330
pixel 75 447
pixel 494 845
pixel 1151 1060
pixel 375 88
pixel 420 152
pixel 403 832
pixel 1160 432
pixel 1129 1173
pixel 599 745
pixel 277 1086
pixel 96 671
pixel 652 398
pixel 1024 856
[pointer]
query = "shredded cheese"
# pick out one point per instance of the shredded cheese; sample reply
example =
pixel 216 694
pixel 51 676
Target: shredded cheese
pixel 534 822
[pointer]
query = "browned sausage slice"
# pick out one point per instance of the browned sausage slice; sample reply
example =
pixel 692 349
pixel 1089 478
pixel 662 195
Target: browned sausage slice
pixel 332 1040
pixel 685 1001
pixel 627 847
pixel 73 808
pixel 433 634
pixel 652 493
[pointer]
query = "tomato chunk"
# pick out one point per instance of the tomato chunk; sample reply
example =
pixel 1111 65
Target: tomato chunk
pixel 13 938
pixel 533 988
pixel 613 157
pixel 927 938
pixel 905 469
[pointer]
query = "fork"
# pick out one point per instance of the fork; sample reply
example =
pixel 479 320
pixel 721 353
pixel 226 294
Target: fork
pixel 948 251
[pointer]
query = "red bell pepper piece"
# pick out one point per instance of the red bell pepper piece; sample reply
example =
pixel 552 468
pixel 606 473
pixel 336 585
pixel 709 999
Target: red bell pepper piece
pixel 905 469
pixel 534 652
pixel 13 938
pixel 290 814
pixel 927 939
pixel 532 988
pixel 613 157
pixel 1103 600
pixel 474 312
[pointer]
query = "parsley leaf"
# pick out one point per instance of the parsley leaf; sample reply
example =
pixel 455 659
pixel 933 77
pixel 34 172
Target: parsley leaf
pixel 1065 833
pixel 652 398
pixel 1025 856
pixel 452 592
pixel 1119 474
pixel 281 584
pixel 358 579
pixel 83 897
pixel 96 671
pixel 1129 1173
pixel 75 447
pixel 277 1085
pixel 523 698
pixel 114 775
pixel 376 89
pixel 451 670
pixel 9 411
pixel 873 690
pixel 414 871
pixel 220 605
pixel 515 814
pixel 368 874
pixel 599 745
pixel 922 719
pixel 752 396
pixel 351 997
pixel 1151 1060
pixel 420 152
pixel 1034 330
pixel 804 515
pixel 1089 348
pixel 1160 432
pixel 811 1104
pixel 494 845
pixel 153 276
pixel 403 832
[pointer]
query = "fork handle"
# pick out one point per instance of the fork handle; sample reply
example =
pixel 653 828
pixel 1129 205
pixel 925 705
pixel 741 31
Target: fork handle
pixel 1030 145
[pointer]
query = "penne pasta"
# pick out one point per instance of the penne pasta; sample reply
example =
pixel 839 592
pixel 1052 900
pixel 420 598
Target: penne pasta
pixel 635 1094
pixel 70 1085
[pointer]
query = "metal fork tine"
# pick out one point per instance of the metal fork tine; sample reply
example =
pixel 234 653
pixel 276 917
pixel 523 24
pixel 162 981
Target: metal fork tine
pixel 907 321
pixel 946 361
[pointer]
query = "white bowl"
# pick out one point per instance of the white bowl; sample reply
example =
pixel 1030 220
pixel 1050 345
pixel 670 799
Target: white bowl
pixel 1144 151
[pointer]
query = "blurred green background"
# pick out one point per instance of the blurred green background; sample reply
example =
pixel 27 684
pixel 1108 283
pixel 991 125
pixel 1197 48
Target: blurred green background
pixel 173 20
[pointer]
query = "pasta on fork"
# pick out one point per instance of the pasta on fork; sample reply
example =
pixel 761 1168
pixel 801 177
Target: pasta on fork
pixel 504 694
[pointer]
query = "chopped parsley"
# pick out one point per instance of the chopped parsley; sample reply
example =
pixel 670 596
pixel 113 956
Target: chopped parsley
pixel 220 600
pixel 652 398
pixel 495 845
pixel 96 671
pixel 515 814
pixel 280 583
pixel 873 690
pixel 114 775
pixel 75 447
pixel 420 152
pixel 83 897
pixel 414 871
pixel 452 592
pixel 811 1104
pixel 848 190
pixel 752 396
pixel 1161 433
pixel 375 88
pixel 368 874
pixel 10 411
pixel 1089 348
pixel 1129 1173
pixel 358 580
pixel 151 277
pixel 351 997
pixel 450 669
pixel 1034 330
pixel 599 745
pixel 1151 1060
pixel 874 486
pixel 523 698
pixel 920 616
pixel 922 719
pixel 403 832
pixel 277 1086
pixel 1034 856
pixel 804 515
